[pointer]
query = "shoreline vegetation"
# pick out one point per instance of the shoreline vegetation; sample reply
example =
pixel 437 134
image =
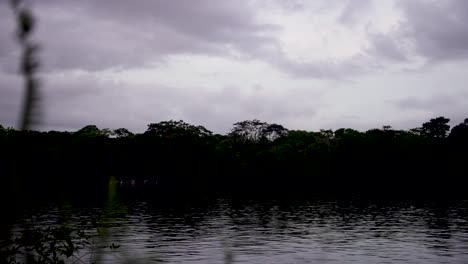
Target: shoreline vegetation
pixel 255 158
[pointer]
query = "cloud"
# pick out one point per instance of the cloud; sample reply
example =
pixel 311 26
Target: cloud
pixel 432 30
pixel 451 105
pixel 90 99
pixel 8 47
pixel 10 99
pixel 95 35
pixel 432 103
pixel 218 62
pixel 388 48
pixel 340 70
pixel 353 10
pixel 437 29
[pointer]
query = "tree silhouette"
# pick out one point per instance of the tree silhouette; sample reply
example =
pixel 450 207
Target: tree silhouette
pixel 436 128
pixel 254 131
pixel 459 132
pixel 176 128
pixel 122 133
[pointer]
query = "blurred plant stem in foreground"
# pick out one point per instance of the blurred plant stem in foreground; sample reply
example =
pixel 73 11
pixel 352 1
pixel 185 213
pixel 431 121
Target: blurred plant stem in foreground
pixel 29 64
pixel 14 182
pixel 31 242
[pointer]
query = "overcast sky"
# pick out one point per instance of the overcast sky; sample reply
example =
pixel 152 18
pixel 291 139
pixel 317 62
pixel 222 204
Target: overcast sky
pixel 303 64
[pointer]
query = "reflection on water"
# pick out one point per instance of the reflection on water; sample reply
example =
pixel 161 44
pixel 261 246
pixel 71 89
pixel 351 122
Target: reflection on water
pixel 316 231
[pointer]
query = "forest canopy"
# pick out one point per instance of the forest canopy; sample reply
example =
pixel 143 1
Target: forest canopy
pixel 255 157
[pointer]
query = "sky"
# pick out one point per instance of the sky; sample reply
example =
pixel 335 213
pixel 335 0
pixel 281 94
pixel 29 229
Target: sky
pixel 308 65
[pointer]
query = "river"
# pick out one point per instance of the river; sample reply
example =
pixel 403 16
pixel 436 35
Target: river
pixel 276 231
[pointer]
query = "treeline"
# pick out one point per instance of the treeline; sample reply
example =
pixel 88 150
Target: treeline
pixel 254 158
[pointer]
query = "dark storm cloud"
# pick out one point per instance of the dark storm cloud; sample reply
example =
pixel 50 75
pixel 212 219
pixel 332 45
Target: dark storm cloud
pixel 81 40
pixel 97 35
pixel 438 29
pixel 434 30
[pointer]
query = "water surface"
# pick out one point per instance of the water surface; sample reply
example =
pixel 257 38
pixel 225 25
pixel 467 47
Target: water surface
pixel 279 231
